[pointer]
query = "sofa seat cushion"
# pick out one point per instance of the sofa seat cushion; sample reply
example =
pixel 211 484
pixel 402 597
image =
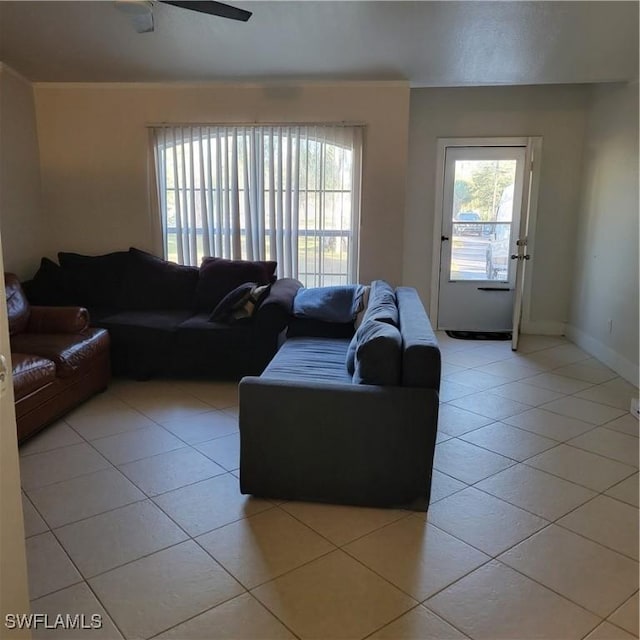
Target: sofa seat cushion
pixel 30 373
pixel 312 359
pixel 166 321
pixel 200 322
pixel 69 352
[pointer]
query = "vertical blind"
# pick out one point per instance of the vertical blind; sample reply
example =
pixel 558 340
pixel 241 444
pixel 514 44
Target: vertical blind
pixel 289 193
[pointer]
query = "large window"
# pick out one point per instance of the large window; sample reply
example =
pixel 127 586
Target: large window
pixel 286 193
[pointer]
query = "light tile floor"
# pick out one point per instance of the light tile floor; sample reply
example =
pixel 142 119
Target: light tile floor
pixel 132 510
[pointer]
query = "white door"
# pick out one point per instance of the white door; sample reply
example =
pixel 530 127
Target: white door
pixel 14 594
pixel 482 203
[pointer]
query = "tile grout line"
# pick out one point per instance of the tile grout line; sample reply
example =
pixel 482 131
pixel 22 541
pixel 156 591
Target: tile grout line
pixel 364 535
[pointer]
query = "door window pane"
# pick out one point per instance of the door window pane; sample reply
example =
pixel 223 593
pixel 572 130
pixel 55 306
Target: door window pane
pixel 482 198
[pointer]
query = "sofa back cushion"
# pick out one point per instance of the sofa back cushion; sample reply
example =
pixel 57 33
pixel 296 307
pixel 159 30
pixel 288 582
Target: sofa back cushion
pixel 53 285
pixel 219 276
pixel 17 305
pixel 378 354
pixel 381 306
pixel 153 283
pixel 382 303
pixel 98 278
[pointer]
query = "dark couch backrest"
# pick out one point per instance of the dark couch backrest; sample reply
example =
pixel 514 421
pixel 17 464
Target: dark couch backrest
pixel 421 363
pixel 18 309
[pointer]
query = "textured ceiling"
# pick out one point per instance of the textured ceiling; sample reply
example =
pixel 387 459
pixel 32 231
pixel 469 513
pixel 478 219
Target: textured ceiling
pixel 427 43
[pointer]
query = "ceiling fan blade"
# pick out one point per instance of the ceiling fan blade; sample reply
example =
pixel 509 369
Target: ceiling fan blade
pixel 212 8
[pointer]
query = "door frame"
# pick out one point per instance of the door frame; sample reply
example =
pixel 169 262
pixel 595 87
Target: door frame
pixel 533 145
pixel 14 586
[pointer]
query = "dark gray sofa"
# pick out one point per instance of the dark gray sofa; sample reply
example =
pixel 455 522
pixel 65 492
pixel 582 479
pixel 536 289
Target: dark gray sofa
pixel 310 431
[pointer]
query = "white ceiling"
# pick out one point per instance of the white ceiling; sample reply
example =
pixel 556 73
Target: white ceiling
pixel 427 43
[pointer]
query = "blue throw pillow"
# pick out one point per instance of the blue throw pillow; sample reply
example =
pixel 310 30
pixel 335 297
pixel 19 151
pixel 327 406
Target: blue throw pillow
pixel 329 304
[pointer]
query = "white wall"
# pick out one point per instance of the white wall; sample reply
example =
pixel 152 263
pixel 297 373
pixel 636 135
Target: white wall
pixel 605 279
pixel 94 149
pixel 21 220
pixel 558 114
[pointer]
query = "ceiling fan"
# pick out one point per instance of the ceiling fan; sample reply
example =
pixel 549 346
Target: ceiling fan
pixel 141 11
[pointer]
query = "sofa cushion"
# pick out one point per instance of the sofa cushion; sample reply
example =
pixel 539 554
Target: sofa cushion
pixel 350 358
pixel 153 283
pixel 69 352
pixel 18 310
pixel 99 277
pixel 308 327
pixel 53 285
pixel 382 304
pixel 142 341
pixel 313 359
pixel 378 354
pixel 219 276
pixel 30 373
pixel 338 304
pixel 156 320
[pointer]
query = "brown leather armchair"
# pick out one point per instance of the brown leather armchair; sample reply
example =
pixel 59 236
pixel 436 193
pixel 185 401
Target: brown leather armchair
pixel 57 360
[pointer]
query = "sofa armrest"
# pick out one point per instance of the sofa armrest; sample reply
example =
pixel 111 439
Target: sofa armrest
pixel 274 313
pixel 58 320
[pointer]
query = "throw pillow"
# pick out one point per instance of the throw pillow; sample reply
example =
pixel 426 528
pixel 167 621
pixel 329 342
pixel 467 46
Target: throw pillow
pixel 329 304
pixel 219 276
pixel 240 304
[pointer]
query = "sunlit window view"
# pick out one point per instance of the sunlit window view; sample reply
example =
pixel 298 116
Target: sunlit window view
pixel 289 194
pixel 482 219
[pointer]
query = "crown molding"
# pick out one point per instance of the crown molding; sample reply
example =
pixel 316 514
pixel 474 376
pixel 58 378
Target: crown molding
pixel 231 84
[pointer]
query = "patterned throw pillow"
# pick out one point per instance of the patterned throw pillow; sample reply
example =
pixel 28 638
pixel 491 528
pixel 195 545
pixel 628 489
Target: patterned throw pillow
pixel 240 304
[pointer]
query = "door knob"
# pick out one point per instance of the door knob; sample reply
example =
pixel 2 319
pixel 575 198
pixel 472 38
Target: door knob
pixel 443 238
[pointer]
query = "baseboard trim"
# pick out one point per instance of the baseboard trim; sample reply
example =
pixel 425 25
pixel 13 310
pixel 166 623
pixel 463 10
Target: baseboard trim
pixel 543 328
pixel 623 367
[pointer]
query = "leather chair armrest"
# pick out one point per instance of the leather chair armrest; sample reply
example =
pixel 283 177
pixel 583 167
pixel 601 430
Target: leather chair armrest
pixel 58 320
